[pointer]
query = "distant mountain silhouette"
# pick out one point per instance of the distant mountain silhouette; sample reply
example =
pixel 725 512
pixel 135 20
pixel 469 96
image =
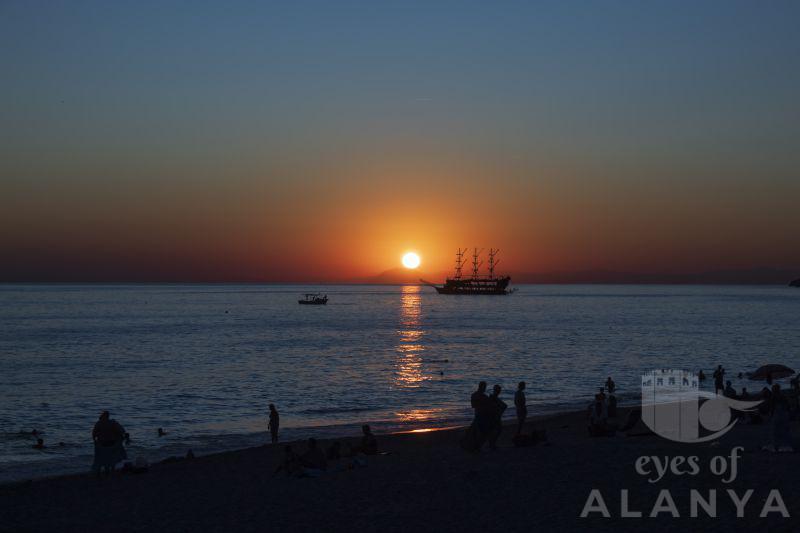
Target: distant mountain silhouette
pixel 400 276
pixel 757 276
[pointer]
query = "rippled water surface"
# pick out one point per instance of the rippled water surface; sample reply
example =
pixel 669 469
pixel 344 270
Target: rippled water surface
pixel 203 361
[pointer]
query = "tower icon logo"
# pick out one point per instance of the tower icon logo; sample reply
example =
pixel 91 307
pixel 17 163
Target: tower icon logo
pixel 674 407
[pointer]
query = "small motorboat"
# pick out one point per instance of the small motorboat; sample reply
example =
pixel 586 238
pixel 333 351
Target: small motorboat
pixel 313 299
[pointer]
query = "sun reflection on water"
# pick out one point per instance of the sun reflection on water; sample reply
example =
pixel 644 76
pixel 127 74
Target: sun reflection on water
pixel 408 365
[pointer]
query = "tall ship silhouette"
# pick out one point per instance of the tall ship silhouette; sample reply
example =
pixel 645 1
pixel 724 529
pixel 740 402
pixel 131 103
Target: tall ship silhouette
pixel 476 283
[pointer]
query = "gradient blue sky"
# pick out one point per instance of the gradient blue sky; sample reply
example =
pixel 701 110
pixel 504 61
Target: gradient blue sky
pixel 320 140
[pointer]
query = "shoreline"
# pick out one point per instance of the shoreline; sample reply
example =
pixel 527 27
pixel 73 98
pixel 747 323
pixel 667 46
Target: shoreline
pixel 425 482
pixel 325 433
pixel 453 426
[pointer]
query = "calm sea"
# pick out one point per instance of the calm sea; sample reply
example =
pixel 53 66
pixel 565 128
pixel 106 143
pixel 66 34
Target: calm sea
pixel 204 361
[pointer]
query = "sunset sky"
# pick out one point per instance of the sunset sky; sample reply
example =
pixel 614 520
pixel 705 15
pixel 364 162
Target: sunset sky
pixel 306 141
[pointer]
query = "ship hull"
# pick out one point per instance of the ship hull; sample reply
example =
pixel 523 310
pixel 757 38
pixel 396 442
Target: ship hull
pixel 475 286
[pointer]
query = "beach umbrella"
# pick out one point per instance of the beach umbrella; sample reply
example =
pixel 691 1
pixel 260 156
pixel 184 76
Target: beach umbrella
pixel 776 371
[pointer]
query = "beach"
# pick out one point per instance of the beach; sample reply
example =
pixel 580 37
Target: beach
pixel 426 482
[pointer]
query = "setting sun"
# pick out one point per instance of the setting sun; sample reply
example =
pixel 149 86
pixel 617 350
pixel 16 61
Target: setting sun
pixel 411 260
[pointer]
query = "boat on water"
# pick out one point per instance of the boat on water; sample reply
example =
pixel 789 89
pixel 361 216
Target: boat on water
pixel 313 299
pixel 476 284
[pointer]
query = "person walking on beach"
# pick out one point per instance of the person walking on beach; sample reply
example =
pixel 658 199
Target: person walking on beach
pixel 107 435
pixel 719 377
pixel 498 407
pixel 274 423
pixel 610 385
pixel 521 406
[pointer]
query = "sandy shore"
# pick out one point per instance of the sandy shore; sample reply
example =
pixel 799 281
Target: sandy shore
pixel 426 483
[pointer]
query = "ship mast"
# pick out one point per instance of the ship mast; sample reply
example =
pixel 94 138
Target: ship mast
pixel 475 263
pixel 492 262
pixel 460 262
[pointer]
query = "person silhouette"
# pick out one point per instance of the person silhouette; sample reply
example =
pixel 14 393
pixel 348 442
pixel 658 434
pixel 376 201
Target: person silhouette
pixel 719 379
pixel 108 436
pixel 498 406
pixel 476 434
pixel 610 385
pixel 369 444
pixel 314 459
pixel 291 462
pixel 612 406
pixel 520 406
pixel 274 423
pixel 39 444
pixel 482 421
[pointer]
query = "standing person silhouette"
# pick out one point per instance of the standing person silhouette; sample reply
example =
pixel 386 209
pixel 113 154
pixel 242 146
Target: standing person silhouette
pixel 108 436
pixel 274 423
pixel 497 407
pixel 719 376
pixel 481 424
pixel 521 406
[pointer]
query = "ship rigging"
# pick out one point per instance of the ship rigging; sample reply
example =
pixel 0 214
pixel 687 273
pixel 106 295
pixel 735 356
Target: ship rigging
pixel 477 283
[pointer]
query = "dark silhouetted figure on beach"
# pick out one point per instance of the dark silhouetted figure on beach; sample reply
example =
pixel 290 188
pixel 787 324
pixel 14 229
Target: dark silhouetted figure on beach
pixel 108 436
pixel 274 423
pixel 39 444
pixel 598 417
pixel 779 413
pixel 498 407
pixel 729 392
pixel 610 385
pixel 521 406
pixel 291 462
pixel 481 423
pixel 161 432
pixel 369 444
pixel 313 461
pixel 701 376
pixel 719 379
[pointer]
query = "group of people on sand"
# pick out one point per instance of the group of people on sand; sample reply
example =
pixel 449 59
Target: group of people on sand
pixel 602 412
pixel 487 423
pixel 314 461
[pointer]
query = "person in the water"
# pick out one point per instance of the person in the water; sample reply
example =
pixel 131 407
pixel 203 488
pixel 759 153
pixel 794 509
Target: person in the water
pixel 274 423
